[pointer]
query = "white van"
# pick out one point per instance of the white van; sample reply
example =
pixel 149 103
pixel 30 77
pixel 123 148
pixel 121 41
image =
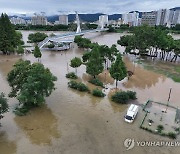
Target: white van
pixel 131 113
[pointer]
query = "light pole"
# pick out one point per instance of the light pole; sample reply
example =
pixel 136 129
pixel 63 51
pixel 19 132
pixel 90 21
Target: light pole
pixel 168 99
pixel 169 94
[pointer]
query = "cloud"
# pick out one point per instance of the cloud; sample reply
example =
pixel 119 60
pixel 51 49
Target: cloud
pixel 84 6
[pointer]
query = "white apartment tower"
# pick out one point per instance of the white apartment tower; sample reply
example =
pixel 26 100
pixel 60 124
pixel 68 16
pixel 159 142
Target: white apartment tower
pixel 163 17
pixel 103 20
pixel 175 19
pixel 17 21
pixel 131 18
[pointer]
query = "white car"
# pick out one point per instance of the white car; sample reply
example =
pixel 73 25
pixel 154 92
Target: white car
pixel 131 113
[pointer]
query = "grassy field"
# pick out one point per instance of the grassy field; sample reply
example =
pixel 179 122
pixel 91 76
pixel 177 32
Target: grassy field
pixel 168 69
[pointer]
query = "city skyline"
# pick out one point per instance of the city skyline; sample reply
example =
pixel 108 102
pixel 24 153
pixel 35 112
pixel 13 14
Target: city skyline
pixel 101 6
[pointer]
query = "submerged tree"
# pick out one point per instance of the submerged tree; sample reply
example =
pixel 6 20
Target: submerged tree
pixel 37 37
pixel 30 83
pixel 37 52
pixel 3 104
pixel 118 69
pixel 20 50
pixel 95 64
pixel 75 63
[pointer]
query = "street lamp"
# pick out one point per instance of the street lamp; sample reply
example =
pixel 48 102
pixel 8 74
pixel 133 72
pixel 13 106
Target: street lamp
pixel 168 99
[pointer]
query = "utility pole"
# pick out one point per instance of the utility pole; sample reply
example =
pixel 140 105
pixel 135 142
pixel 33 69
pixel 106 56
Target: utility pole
pixel 169 94
pixel 168 99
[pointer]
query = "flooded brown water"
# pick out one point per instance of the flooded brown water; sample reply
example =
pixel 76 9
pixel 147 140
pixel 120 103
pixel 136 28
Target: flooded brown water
pixel 78 123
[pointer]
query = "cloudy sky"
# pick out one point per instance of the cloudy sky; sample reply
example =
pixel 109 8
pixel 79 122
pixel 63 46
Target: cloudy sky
pixel 83 6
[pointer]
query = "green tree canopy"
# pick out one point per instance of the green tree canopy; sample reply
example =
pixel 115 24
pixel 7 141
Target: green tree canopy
pixel 9 38
pixel 95 64
pixel 37 37
pixel 30 83
pixel 37 52
pixel 118 69
pixel 75 62
pixel 82 42
pixel 20 50
pixel 3 104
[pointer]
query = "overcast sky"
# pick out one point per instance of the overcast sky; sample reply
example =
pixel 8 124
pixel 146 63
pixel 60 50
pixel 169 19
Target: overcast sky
pixel 83 6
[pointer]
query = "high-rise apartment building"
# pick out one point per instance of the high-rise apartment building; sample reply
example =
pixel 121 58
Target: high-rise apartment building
pixel 39 20
pixel 131 18
pixel 17 21
pixel 149 18
pixel 63 19
pixel 163 17
pixel 103 20
pixel 175 17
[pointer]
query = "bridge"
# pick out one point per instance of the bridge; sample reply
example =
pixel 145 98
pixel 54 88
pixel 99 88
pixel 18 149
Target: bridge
pixel 64 38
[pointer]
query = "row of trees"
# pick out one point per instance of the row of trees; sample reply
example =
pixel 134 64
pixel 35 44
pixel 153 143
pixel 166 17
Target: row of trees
pixel 148 40
pixel 98 57
pixel 42 27
pixel 9 38
pixel 70 27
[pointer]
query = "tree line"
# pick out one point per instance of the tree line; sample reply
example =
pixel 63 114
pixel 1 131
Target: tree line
pixel 148 40
pixel 59 27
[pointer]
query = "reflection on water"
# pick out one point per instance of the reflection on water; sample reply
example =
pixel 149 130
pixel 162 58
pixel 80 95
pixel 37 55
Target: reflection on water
pixel 142 78
pixel 6 63
pixel 6 146
pixel 40 125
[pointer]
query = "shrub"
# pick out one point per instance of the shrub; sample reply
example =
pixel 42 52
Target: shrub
pixel 51 46
pixel 131 94
pixel 120 97
pixel 163 134
pixel 82 87
pixel 123 97
pixel 160 128
pixel 73 84
pixel 97 82
pixel 98 93
pixel 78 86
pixel 172 135
pixel 71 75
pixel 177 129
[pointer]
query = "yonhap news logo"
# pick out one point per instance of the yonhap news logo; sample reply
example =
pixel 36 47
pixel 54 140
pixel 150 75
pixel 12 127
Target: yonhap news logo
pixel 131 143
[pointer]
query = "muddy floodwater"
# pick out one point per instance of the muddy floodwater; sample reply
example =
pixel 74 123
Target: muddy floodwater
pixel 72 122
